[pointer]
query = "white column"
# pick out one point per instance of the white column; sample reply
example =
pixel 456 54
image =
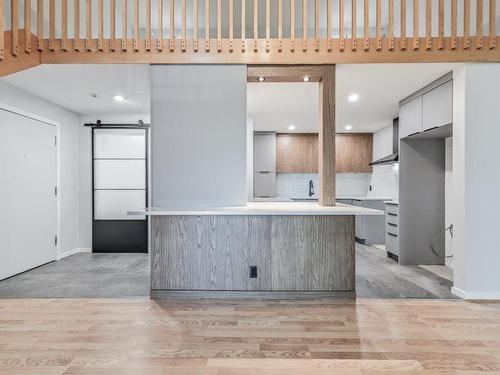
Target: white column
pixel 476 181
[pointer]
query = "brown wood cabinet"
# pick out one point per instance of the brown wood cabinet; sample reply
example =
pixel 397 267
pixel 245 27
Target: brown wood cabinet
pixel 298 153
pixel 353 152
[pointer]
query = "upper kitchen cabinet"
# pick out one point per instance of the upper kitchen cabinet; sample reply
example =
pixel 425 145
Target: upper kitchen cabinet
pixel 428 108
pixel 437 106
pixel 353 153
pixel 264 154
pixel 297 153
pixel 410 117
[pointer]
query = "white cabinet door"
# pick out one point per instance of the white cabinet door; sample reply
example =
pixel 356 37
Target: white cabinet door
pixel 410 118
pixel 264 184
pixel 264 152
pixel 28 176
pixel 437 106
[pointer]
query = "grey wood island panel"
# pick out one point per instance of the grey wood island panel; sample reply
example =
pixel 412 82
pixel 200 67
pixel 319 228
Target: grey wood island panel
pixel 293 253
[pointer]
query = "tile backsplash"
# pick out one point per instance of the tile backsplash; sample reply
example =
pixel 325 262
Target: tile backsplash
pixel 384 181
pixel 296 185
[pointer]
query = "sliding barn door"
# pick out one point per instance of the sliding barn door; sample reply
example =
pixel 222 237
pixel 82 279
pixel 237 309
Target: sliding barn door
pixel 119 186
pixel 28 179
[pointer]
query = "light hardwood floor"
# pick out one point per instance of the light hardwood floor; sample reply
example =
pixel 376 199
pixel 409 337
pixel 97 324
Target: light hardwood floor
pixel 142 336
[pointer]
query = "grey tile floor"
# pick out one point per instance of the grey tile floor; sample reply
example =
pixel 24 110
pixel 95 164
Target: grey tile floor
pixel 127 276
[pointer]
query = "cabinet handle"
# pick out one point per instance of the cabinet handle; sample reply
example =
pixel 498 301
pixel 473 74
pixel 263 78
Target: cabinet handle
pixel 393 225
pixel 392 234
pixel 264 172
pixel 391 214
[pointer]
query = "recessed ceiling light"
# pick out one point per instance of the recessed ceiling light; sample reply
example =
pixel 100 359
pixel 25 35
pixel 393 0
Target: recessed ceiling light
pixel 118 98
pixel 353 97
pixel 348 127
pixel 291 127
pixel 93 95
pixel 261 79
pixel 306 78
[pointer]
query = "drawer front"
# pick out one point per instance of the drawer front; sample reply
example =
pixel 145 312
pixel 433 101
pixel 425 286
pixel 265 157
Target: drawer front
pixel 392 228
pixel 392 208
pixel 392 244
pixel 391 218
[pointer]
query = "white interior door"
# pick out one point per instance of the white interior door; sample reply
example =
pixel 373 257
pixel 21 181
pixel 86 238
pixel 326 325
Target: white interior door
pixel 28 177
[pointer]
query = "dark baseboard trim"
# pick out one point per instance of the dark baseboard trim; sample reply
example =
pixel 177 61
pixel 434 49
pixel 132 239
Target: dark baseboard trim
pixel 159 294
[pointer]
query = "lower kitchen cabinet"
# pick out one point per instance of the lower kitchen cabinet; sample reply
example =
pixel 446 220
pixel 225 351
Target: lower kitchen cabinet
pixel 392 229
pixel 370 230
pixel 264 184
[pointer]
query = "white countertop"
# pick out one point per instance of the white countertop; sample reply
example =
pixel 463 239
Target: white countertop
pixel 262 208
pixel 367 198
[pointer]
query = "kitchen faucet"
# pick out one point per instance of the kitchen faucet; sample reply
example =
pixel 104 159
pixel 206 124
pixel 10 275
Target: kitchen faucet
pixel 311 188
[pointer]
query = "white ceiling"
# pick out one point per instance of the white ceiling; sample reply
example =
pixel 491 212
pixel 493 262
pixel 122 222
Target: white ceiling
pixel 275 106
pixel 70 86
pixel 380 88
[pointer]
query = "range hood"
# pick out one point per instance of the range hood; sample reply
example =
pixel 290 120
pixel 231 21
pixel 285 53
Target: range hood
pixel 394 157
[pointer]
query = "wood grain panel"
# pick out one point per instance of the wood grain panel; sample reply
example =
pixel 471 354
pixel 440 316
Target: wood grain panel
pixel 354 153
pixel 297 153
pixel 292 253
pixel 210 252
pixel 313 253
pixel 327 137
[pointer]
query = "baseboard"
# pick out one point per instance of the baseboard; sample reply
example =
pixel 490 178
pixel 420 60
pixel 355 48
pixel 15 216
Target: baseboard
pixel 476 296
pixel 271 295
pixel 458 292
pixel 74 251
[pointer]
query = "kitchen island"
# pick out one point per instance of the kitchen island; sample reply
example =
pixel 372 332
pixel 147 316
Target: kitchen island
pixel 263 249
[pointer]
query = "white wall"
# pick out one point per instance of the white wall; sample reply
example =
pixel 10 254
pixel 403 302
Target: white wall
pixel 476 181
pixel 198 132
pixel 448 194
pixel 68 149
pixel 85 169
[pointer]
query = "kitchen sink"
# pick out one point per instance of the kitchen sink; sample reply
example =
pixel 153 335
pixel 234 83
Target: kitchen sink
pixel 304 199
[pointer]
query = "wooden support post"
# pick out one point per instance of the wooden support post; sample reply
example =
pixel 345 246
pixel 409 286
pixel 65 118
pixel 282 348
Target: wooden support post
pixel 492 25
pixel 292 25
pixel 327 137
pixel 403 43
pixel 147 41
pixel 76 21
pixel 183 27
pixel 354 25
pixel 366 25
pixel 195 25
pixel 64 25
pixel 391 25
pixel 2 34
pixel 14 22
pixel 112 25
pixel 88 28
pixel 243 25
pixel 159 42
pixel 453 40
pixel 27 26
pixel 124 25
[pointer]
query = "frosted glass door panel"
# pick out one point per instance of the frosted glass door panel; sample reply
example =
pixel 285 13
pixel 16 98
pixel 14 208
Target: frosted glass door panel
pixel 114 204
pixel 119 174
pixel 119 143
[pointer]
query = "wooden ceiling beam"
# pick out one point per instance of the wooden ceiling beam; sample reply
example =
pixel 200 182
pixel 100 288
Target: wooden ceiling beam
pixel 13 64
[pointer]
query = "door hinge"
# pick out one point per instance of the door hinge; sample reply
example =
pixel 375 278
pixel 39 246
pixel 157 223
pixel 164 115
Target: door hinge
pixel 55 140
pixel 55 191
pixel 55 240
